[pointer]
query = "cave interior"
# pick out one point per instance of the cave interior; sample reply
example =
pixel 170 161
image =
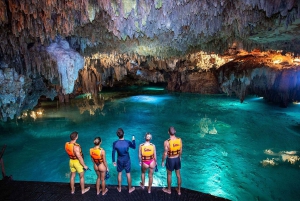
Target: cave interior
pixel 58 49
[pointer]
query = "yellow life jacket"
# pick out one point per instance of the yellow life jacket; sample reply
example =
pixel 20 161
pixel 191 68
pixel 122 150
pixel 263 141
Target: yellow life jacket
pixel 147 151
pixel 96 155
pixel 174 147
pixel 69 147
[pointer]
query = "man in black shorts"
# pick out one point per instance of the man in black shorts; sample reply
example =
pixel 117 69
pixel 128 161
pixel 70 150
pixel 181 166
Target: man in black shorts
pixel 172 152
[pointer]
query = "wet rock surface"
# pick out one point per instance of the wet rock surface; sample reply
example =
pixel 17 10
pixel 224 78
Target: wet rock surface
pixel 65 48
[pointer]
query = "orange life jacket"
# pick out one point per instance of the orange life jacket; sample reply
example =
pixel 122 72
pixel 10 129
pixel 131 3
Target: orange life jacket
pixel 96 155
pixel 69 147
pixel 174 147
pixel 147 151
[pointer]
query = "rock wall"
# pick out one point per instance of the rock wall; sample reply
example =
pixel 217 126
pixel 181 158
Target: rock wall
pixel 197 72
pixel 278 83
pixel 64 47
pixel 19 93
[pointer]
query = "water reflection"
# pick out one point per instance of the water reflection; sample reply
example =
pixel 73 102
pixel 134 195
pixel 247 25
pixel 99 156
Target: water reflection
pixel 207 127
pixel 90 104
pixel 230 149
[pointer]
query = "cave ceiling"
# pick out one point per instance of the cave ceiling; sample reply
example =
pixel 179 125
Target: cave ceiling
pixel 162 28
pixel 59 48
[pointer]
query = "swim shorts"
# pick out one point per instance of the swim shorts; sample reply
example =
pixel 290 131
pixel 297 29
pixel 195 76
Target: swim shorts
pixel 173 163
pixel 121 165
pixel 75 166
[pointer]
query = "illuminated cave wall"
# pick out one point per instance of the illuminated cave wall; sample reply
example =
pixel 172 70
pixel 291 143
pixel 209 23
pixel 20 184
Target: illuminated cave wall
pixel 59 47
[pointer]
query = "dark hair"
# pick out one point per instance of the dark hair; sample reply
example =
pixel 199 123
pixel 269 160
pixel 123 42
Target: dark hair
pixel 120 133
pixel 97 140
pixel 172 130
pixel 73 135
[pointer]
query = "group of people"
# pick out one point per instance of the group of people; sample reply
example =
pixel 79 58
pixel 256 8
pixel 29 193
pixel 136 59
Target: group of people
pixel 147 157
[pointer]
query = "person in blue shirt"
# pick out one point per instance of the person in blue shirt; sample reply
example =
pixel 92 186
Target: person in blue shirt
pixel 123 161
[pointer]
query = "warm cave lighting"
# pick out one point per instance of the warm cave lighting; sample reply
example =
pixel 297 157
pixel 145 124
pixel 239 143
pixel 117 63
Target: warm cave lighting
pixel 24 115
pixel 39 112
pixel 296 60
pixel 277 61
pixel 33 115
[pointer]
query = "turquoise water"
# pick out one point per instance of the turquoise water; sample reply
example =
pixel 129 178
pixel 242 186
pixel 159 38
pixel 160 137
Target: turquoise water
pixel 224 141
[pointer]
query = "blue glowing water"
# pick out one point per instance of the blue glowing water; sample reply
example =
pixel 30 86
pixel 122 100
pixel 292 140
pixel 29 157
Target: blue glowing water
pixel 224 141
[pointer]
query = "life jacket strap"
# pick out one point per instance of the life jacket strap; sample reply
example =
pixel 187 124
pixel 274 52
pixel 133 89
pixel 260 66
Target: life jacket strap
pixel 147 157
pixel 173 153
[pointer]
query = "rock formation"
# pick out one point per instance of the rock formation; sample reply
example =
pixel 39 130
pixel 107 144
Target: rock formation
pixel 272 76
pixel 58 48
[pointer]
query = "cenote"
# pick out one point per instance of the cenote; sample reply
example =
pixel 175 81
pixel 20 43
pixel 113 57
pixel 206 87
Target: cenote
pixel 239 151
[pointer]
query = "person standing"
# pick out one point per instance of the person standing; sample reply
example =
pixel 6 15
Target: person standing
pixel 172 152
pixel 147 157
pixel 76 162
pixel 122 146
pixel 100 165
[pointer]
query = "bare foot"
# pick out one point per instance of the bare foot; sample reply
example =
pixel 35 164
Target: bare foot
pixel 99 192
pixel 73 192
pixel 166 190
pixel 178 191
pixel 132 189
pixel 142 185
pixel 119 189
pixel 85 190
pixel 104 193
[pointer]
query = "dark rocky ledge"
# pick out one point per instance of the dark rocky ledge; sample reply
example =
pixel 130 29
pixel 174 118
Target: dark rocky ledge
pixel 31 190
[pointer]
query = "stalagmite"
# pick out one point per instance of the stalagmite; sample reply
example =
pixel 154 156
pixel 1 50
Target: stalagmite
pixel 184 44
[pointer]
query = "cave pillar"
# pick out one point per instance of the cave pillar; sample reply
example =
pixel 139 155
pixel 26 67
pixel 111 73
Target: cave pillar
pixel 67 98
pixel 61 98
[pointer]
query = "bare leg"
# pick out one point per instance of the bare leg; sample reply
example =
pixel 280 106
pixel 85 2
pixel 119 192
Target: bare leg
pixel 169 180
pixel 169 177
pixel 143 169
pixel 119 181
pixel 178 181
pixel 103 183
pixel 143 178
pixel 150 175
pixel 83 190
pixel 98 182
pixel 130 189
pixel 72 182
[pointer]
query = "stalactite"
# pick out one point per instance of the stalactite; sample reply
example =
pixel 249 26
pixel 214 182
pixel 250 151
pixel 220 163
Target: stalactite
pixel 159 28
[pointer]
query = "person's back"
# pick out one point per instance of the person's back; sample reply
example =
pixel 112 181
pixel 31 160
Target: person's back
pixel 122 146
pixel 76 162
pixel 147 157
pixel 98 157
pixel 172 154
